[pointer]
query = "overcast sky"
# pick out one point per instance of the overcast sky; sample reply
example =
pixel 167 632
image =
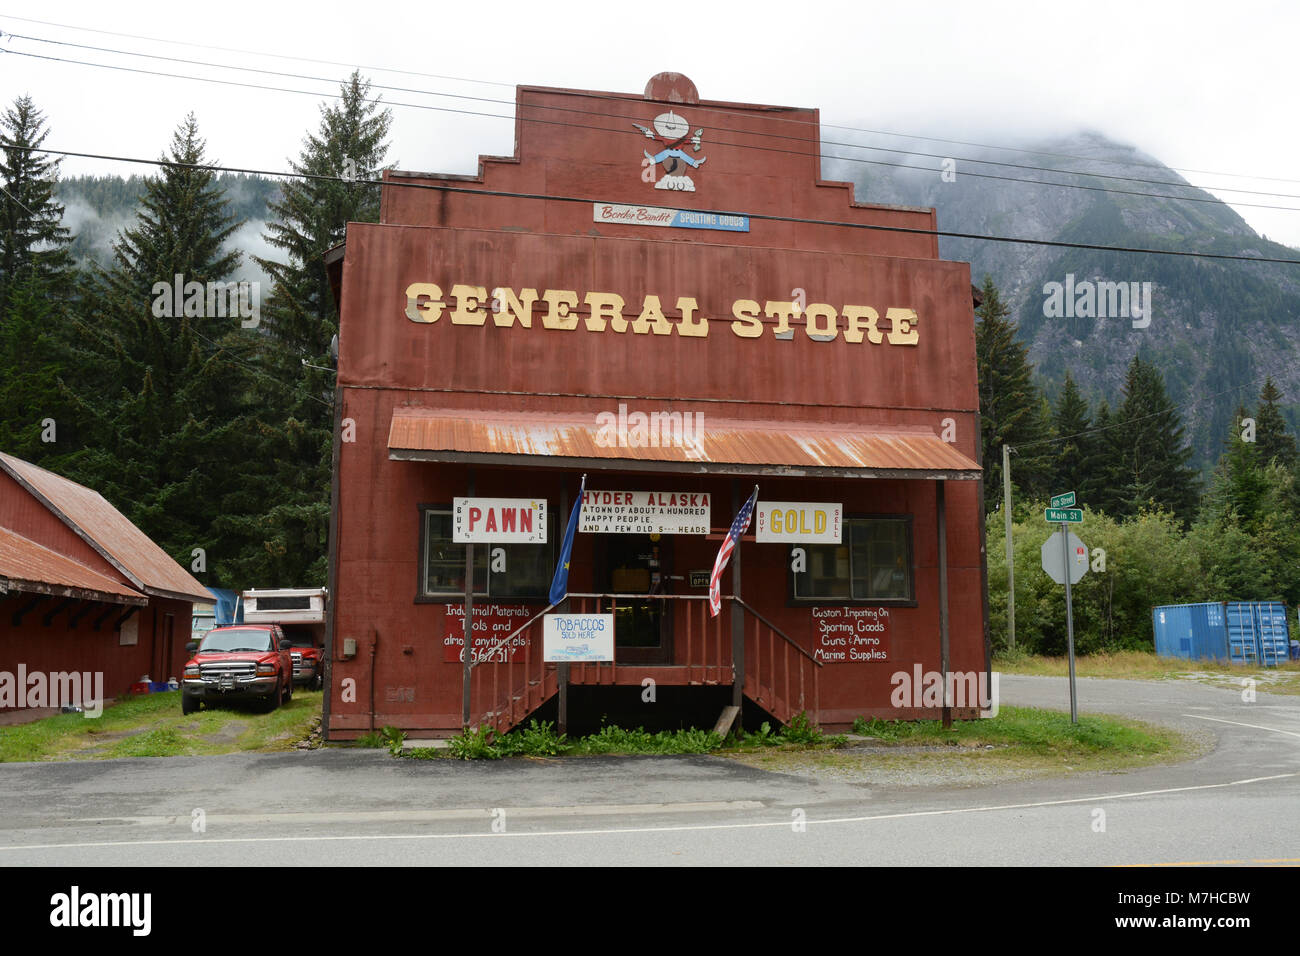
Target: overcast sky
pixel 1200 86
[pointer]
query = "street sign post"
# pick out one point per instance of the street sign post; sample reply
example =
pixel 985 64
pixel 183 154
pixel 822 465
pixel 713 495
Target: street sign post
pixel 1063 501
pixel 1070 515
pixel 1065 559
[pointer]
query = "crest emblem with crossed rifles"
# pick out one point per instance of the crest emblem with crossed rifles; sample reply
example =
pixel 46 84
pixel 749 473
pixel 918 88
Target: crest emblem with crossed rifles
pixel 672 132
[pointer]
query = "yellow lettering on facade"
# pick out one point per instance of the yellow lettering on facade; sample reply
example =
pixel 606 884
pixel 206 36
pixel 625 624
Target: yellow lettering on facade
pixel 509 307
pixel 904 330
pixel 691 326
pixel 783 312
pixel 819 522
pixel 652 318
pixel 747 325
pixel 857 318
pixel 427 312
pixel 468 305
pixel 468 299
pixel 605 305
pixel 821 322
pixel 559 309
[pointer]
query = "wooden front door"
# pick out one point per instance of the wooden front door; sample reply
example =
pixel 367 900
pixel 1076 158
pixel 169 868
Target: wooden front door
pixel 640 564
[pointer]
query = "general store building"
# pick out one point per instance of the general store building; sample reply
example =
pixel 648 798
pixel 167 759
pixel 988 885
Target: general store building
pixel 659 292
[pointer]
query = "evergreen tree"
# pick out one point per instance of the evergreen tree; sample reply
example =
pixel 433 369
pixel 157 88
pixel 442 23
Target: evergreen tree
pixel 1075 464
pixel 1011 409
pixel 300 318
pixel 36 284
pixel 1274 441
pixel 172 419
pixel 1151 447
pixel 310 218
pixel 1107 471
pixel 33 238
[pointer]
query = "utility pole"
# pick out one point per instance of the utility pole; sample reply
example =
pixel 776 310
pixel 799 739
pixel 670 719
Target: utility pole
pixel 1011 552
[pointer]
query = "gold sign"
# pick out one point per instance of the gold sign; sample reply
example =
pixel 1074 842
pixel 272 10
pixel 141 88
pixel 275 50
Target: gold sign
pixel 472 305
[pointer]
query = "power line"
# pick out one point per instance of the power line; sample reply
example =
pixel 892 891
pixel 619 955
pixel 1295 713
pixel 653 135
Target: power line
pixel 597 95
pixel 15 200
pixel 629 116
pixel 766 217
pixel 748 146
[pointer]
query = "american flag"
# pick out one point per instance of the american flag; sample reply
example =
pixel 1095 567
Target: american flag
pixel 738 527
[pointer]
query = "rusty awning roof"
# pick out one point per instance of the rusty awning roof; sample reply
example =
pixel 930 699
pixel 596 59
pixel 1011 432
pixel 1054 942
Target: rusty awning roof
pixel 147 566
pixel 28 566
pixel 722 446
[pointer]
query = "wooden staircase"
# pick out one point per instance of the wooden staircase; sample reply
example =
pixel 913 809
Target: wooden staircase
pixel 780 676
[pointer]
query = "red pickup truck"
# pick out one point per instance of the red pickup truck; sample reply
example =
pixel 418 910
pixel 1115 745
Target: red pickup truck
pixel 240 662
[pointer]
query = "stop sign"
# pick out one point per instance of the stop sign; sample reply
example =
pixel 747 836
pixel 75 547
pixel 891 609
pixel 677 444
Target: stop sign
pixel 1054 560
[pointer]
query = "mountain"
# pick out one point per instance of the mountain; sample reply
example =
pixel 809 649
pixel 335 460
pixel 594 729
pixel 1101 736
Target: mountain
pixel 1216 327
pixel 96 208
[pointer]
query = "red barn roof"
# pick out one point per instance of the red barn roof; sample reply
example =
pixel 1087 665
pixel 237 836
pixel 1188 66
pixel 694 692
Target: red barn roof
pixel 108 531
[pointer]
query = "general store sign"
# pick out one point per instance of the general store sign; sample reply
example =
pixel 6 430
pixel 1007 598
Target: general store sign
pixel 578 637
pixel 801 522
pixel 499 520
pixel 566 310
pixel 645 512
pixel 606 212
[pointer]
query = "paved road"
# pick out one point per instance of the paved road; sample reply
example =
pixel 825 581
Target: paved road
pixel 335 807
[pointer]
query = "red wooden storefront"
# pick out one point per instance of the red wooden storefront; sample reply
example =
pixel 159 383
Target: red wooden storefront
pixel 493 327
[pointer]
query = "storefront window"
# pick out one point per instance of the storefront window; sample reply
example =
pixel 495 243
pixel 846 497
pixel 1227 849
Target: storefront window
pixel 874 563
pixel 528 567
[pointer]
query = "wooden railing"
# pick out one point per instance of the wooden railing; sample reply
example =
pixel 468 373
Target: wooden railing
pixel 779 675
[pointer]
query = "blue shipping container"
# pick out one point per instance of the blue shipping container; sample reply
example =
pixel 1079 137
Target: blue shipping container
pixel 1242 632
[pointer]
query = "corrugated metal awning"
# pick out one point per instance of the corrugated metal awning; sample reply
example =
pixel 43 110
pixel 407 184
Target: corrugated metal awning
pixel 721 446
pixel 28 566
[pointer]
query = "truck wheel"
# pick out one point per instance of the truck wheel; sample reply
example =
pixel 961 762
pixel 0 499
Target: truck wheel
pixel 273 700
pixel 319 682
pixel 288 690
pixel 189 704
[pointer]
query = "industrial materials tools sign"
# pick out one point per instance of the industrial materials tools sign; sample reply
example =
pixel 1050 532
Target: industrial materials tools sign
pixel 843 635
pixel 492 623
pixel 645 512
pixel 578 637
pixel 799 522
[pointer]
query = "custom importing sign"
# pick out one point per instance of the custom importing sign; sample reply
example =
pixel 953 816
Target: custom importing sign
pixel 799 522
pixel 578 637
pixel 645 512
pixel 499 520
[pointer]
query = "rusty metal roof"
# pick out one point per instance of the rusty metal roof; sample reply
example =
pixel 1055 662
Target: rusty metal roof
pixel 726 446
pixel 26 565
pixel 107 530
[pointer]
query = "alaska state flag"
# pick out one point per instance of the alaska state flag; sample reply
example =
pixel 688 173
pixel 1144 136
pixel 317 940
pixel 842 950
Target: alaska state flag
pixel 560 583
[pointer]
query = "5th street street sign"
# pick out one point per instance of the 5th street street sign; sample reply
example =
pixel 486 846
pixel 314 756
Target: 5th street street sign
pixel 1063 501
pixel 1072 515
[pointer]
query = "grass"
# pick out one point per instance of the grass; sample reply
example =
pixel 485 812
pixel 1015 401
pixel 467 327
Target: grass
pixel 152 725
pixel 1017 739
pixel 1143 665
